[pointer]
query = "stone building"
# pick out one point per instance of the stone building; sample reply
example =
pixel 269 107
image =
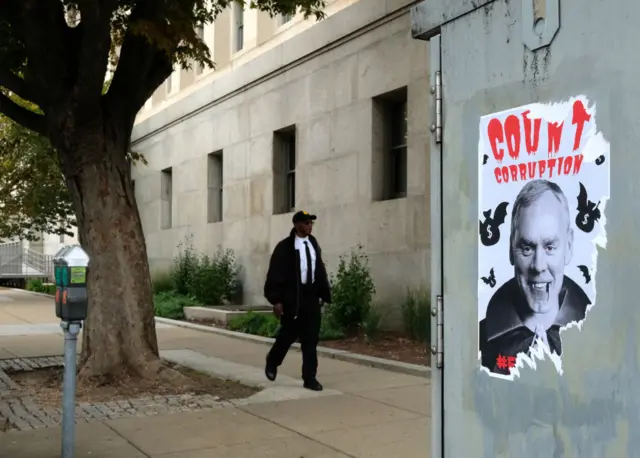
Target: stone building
pixel 330 117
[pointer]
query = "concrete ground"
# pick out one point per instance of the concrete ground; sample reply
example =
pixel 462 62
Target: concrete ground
pixel 370 413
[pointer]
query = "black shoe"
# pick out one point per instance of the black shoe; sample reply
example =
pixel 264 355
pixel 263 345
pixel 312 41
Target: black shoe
pixel 270 372
pixel 313 385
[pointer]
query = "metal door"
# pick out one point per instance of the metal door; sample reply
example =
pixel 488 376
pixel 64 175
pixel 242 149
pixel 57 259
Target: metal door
pixel 496 56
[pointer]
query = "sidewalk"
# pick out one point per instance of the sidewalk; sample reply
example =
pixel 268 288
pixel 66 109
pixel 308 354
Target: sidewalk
pixel 374 413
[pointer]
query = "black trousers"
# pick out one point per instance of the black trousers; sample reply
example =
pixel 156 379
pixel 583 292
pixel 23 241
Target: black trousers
pixel 306 328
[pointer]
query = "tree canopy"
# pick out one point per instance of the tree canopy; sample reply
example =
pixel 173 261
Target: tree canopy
pixel 34 198
pixel 55 53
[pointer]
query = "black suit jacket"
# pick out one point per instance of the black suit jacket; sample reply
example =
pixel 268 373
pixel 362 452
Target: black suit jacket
pixel 283 276
pixel 502 332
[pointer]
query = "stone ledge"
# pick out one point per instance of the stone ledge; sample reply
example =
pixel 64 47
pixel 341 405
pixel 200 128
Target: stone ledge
pixel 341 355
pixel 221 315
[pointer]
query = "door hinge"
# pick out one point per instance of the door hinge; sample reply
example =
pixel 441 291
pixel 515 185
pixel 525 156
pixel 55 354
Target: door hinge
pixel 437 349
pixel 436 90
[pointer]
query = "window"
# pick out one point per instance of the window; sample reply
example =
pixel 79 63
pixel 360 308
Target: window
pixel 390 145
pixel 61 238
pixel 168 84
pixel 284 18
pixel 199 67
pixel 238 13
pixel 284 170
pixel 214 187
pixel 166 197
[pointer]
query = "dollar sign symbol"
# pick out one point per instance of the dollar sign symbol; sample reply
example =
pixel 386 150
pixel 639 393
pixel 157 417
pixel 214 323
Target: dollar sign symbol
pixel 489 232
pixel 585 219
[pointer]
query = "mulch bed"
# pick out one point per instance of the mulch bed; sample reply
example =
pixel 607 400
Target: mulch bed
pixel 387 345
pixel 45 387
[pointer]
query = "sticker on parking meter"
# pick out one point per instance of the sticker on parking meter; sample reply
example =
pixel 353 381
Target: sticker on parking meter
pixel 543 185
pixel 78 275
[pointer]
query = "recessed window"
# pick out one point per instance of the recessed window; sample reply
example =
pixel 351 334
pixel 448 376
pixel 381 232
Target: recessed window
pixel 284 170
pixel 166 198
pixel 238 16
pixel 390 145
pixel 199 67
pixel 214 187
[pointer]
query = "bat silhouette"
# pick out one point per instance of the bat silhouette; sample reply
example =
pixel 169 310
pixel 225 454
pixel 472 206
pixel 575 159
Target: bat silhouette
pixel 490 228
pixel 491 279
pixel 600 160
pixel 484 159
pixel 586 273
pixel 588 212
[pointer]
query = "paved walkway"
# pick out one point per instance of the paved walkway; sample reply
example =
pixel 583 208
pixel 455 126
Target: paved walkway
pixel 374 413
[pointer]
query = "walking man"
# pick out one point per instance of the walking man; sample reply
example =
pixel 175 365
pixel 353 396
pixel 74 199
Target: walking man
pixel 296 284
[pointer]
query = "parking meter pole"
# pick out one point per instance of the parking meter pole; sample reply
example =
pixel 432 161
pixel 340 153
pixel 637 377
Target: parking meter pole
pixel 71 331
pixel 71 265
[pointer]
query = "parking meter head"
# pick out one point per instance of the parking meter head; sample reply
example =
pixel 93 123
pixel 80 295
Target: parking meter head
pixel 71 266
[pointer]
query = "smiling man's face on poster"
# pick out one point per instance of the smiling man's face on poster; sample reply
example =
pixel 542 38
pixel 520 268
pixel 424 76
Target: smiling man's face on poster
pixel 541 248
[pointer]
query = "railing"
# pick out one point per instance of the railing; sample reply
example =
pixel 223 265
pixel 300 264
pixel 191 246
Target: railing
pixel 17 261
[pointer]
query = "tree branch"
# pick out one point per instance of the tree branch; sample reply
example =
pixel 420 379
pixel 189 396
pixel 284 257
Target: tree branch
pixel 12 82
pixel 22 116
pixel 49 47
pixel 93 56
pixel 142 66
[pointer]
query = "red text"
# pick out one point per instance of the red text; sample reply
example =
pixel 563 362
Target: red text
pixel 545 168
pixel 507 136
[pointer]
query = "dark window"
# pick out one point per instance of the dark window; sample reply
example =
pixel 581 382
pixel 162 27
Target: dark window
pixel 284 170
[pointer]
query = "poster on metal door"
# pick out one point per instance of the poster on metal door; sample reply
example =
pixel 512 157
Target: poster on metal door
pixel 543 187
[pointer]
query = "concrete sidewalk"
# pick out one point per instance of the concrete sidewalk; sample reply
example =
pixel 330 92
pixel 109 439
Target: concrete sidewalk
pixel 375 413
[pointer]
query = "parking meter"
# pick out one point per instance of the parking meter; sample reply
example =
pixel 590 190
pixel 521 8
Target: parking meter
pixel 71 265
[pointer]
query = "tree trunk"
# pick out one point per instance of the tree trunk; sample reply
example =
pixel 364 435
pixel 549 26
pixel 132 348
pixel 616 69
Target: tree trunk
pixel 119 332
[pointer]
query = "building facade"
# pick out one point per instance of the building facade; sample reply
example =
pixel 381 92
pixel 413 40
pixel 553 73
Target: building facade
pixel 330 117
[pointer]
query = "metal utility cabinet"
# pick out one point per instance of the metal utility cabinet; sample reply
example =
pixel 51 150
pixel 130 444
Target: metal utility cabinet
pixel 491 56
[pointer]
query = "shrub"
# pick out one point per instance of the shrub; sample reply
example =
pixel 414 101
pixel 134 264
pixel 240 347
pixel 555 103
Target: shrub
pixel 162 282
pixel 215 280
pixel 259 324
pixel 353 290
pixel 49 288
pixel 371 324
pixel 34 285
pixel 185 265
pixel 328 329
pixel 37 286
pixel 171 304
pixel 416 315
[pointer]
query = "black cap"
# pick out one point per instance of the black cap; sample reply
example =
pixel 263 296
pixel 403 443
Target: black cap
pixel 303 216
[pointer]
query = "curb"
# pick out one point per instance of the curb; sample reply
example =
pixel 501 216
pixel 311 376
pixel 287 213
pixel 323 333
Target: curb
pixel 341 355
pixel 32 292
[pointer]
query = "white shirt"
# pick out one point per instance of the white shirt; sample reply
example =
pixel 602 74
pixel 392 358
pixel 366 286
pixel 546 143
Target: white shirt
pixel 300 246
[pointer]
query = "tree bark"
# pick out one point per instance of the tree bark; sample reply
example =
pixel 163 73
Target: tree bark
pixel 119 337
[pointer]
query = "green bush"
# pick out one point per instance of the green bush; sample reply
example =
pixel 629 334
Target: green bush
pixel 353 290
pixel 49 288
pixel 34 285
pixel 171 304
pixel 215 280
pixel 416 315
pixel 162 282
pixel 37 286
pixel 259 324
pixel 328 329
pixel 371 324
pixel 185 265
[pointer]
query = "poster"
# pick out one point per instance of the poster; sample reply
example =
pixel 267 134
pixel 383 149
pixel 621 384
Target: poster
pixel 543 188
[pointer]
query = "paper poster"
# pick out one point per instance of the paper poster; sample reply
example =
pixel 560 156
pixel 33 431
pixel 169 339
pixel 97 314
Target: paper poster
pixel 543 187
